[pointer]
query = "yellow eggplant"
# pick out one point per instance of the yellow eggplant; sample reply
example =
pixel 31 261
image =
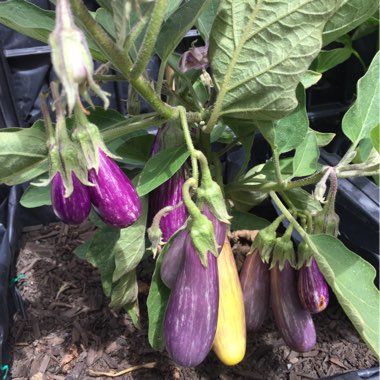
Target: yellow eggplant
pixel 230 338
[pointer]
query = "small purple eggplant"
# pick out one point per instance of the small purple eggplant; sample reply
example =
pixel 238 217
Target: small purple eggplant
pixel 294 323
pixel 312 288
pixel 172 261
pixel 113 196
pixel 192 312
pixel 75 208
pixel 255 284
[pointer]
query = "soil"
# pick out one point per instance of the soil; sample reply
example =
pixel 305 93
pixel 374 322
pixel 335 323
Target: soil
pixel 70 330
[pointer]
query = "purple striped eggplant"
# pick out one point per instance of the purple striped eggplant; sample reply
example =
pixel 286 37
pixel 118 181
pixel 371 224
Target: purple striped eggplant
pixel 192 311
pixel 170 192
pixel 172 261
pixel 255 284
pixel 312 288
pixel 294 323
pixel 113 196
pixel 75 208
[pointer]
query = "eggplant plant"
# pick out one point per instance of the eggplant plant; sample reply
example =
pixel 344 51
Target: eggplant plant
pixel 245 76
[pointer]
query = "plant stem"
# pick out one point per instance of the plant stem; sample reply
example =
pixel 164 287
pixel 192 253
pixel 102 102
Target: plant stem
pixel 108 78
pixel 277 168
pixel 287 214
pixel 190 205
pixel 150 38
pixel 120 61
pixel 189 143
pixel 47 120
pixel 160 78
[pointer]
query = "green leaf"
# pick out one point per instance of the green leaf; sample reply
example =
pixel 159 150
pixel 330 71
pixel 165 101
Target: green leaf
pixel 303 201
pixel 134 312
pixel 251 82
pixel 352 280
pixel 175 28
pixel 23 154
pixel 206 19
pixel 36 196
pixel 310 78
pixel 375 137
pixel 125 291
pixel 100 254
pixel 156 303
pixel 104 18
pixel 105 118
pixel 363 115
pixel 323 139
pixel 291 130
pixel 247 221
pixel 130 247
pixel 160 168
pixel 136 151
pixel 306 157
pixel 348 16
pixel 327 59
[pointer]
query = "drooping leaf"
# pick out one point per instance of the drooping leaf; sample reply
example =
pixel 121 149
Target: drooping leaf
pixel 251 82
pixel 130 247
pixel 348 16
pixel 306 157
pixel 100 255
pixel 206 19
pixel 23 154
pixel 156 303
pixel 36 196
pixel 352 280
pixel 310 78
pixel 134 312
pixel 161 167
pixel 177 25
pixel 125 291
pixel 247 221
pixel 364 114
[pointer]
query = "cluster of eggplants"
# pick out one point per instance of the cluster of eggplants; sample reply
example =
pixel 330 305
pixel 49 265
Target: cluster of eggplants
pixel 167 194
pixel 294 296
pixel 192 312
pixel 113 196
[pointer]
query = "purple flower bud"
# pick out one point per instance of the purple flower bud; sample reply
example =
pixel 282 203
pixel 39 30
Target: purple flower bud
pixel 113 196
pixel 75 208
pixel 195 58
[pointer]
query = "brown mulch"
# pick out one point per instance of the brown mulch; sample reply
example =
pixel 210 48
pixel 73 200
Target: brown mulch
pixel 71 331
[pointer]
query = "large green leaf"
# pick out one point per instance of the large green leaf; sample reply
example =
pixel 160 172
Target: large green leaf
pixel 348 16
pixel 303 201
pixel 206 19
pixel 327 59
pixel 156 303
pixel 136 151
pixel 306 157
pixel 34 22
pixel 364 114
pixel 160 168
pixel 177 25
pixel 36 196
pixel 352 280
pixel 259 51
pixel 23 154
pixel 130 247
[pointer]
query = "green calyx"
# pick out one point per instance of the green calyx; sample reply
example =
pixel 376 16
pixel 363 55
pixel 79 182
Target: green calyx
pixel 304 253
pixel 326 222
pixel 283 250
pixel 155 237
pixel 265 240
pixel 87 135
pixel 203 237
